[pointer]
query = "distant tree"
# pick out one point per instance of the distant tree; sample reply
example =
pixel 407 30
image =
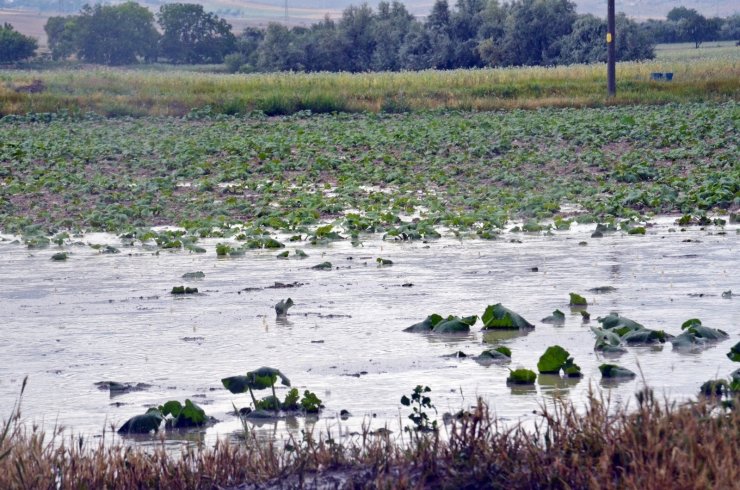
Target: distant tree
pixel 678 14
pixel 323 48
pixel 692 26
pixel 246 46
pixel 533 28
pixel 465 24
pixel 416 48
pixel 440 18
pixel 14 46
pixel 430 45
pixel 62 34
pixel 586 43
pixel 730 30
pixel 357 36
pixel 281 50
pixel 116 34
pixel 392 24
pixel 632 41
pixel 661 31
pixel 491 33
pixel 191 35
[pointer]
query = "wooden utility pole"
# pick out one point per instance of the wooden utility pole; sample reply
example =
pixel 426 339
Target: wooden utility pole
pixel 611 51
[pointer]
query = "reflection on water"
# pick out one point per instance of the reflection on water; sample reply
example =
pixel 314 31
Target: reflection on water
pixel 501 335
pixel 96 317
pixel 522 389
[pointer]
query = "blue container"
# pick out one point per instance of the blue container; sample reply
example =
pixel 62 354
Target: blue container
pixel 656 76
pixel 669 76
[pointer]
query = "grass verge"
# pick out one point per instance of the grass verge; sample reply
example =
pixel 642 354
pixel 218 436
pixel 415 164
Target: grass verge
pixel 117 92
pixel 657 445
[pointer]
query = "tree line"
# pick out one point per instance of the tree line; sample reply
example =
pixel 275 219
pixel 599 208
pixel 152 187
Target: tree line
pixel 475 33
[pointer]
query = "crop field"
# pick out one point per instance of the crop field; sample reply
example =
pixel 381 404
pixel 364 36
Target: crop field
pixel 469 172
pixel 163 234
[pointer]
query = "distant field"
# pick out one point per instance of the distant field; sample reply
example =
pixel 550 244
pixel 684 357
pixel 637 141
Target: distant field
pixel 685 52
pixel 27 22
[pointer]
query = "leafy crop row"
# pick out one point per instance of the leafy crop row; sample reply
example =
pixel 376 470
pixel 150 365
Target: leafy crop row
pixel 469 172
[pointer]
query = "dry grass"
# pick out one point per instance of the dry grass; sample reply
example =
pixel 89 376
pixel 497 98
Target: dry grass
pixel 657 445
pixel 138 92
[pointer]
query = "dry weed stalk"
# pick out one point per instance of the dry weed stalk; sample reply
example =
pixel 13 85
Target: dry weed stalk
pixel 656 445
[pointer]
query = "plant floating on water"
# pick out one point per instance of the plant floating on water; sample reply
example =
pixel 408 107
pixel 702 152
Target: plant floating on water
pixel 183 416
pixel 323 235
pixel 283 255
pixel 556 358
pixel 695 334
pixel 586 316
pixel 577 300
pixel 259 379
pixel 437 324
pixel 723 391
pixel 59 256
pixel 637 230
pixel 188 415
pixel 281 308
pixel 629 331
pixel 557 318
pixel 143 424
pixel 454 324
pixel 521 377
pixel 183 290
pixel 419 403
pixel 194 275
pixel 426 325
pixel 727 294
pixel 324 266
pixel 223 249
pixel 263 242
pixel 498 316
pixel 734 353
pixel 382 262
pixel 497 355
pixel 311 403
pixel 614 371
pixel 300 253
pixel 602 289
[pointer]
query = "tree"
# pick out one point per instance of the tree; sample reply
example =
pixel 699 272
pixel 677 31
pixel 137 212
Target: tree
pixel 632 42
pixel 356 31
pixel 280 50
pixel 533 28
pixel 730 30
pixel 390 28
pixel 692 26
pixel 116 34
pixel 585 44
pixel 14 46
pixel 323 49
pixel 191 35
pixel 62 35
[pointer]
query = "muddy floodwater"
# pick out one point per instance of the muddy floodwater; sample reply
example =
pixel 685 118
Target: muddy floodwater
pixel 110 317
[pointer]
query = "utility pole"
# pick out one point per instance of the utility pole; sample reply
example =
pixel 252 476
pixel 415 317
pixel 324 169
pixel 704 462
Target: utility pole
pixel 611 51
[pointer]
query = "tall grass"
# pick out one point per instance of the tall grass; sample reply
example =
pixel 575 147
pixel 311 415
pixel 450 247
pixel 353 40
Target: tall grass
pixel 112 92
pixel 656 445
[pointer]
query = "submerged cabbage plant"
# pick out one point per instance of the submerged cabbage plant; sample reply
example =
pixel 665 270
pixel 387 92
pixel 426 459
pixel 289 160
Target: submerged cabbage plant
pixel 498 316
pixel 259 379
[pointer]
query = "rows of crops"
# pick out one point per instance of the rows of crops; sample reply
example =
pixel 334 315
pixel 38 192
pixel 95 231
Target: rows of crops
pixel 469 172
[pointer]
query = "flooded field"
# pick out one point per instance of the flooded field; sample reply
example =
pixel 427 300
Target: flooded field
pixel 97 317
